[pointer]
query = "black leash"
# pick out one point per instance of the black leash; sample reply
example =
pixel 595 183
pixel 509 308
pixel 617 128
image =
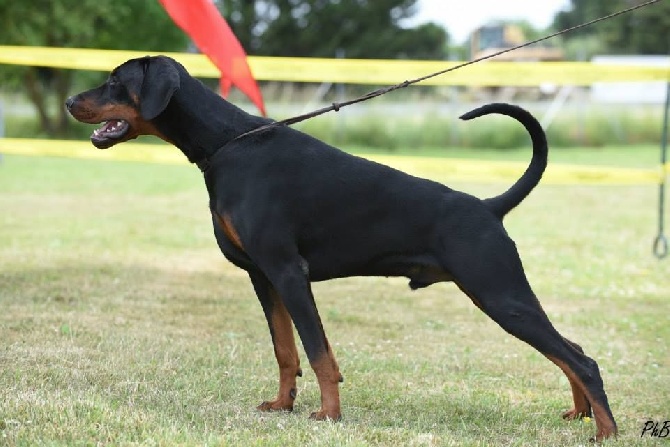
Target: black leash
pixel 661 242
pixel 336 106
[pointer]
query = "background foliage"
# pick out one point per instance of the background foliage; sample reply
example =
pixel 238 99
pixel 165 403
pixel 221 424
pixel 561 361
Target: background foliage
pixel 309 28
pixel 316 28
pixel 122 24
pixel 645 31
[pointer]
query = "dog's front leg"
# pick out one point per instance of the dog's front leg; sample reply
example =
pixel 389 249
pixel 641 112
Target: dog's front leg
pixel 292 283
pixel 281 330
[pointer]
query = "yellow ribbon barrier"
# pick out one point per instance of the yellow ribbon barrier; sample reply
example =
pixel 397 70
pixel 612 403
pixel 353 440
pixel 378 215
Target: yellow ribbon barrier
pixel 455 169
pixel 354 71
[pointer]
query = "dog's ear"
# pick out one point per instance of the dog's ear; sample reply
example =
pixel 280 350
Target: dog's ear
pixel 161 80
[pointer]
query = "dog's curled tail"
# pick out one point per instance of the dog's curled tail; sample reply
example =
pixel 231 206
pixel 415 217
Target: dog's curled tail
pixel 505 202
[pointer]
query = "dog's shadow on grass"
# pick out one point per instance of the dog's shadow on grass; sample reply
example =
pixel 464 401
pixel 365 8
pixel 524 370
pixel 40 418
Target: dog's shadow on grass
pixel 467 417
pixel 427 412
pixel 93 295
pixel 104 281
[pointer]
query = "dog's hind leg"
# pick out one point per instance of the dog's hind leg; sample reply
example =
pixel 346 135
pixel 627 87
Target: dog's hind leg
pixel 497 284
pixel 582 405
pixel 281 330
pixel 519 313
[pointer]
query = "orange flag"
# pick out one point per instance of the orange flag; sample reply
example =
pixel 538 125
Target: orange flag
pixel 211 34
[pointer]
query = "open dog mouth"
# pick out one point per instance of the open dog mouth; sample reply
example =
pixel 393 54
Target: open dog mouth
pixel 109 133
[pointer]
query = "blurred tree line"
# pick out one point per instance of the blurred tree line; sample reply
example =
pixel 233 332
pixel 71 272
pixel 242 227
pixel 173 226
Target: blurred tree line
pixel 318 28
pixel 309 28
pixel 645 31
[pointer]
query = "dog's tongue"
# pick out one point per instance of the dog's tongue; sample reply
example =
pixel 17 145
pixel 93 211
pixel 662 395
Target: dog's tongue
pixel 109 128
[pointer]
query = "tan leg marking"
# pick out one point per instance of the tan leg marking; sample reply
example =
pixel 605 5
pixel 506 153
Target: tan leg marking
pixel 226 224
pixel 606 427
pixel 329 377
pixel 287 359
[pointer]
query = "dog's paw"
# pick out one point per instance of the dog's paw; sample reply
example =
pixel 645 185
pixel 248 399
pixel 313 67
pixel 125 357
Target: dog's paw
pixel 323 415
pixel 575 414
pixel 275 405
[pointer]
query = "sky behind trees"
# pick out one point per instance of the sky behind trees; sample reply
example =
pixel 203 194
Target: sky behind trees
pixel 460 18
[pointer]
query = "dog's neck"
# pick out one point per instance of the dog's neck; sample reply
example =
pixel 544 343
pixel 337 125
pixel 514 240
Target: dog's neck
pixel 199 122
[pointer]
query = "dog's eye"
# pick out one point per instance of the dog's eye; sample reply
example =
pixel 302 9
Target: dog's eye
pixel 113 82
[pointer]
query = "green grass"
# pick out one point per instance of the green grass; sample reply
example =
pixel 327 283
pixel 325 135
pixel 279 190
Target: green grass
pixel 121 323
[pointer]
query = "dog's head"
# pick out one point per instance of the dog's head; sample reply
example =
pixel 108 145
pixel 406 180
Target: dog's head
pixel 135 93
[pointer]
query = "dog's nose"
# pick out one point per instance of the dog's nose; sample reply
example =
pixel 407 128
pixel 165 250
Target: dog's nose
pixel 69 102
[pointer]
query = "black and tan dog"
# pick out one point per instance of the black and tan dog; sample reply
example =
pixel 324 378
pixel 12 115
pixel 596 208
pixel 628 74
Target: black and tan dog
pixel 289 209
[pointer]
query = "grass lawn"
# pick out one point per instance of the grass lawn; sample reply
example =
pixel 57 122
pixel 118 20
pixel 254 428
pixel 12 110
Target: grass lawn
pixel 122 324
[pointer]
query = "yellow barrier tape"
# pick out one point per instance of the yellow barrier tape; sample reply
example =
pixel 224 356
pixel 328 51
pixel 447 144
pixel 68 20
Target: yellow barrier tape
pixel 355 71
pixel 453 169
pixel 502 171
pixel 141 152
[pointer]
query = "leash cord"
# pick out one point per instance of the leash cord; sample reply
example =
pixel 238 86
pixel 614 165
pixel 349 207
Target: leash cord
pixel 336 106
